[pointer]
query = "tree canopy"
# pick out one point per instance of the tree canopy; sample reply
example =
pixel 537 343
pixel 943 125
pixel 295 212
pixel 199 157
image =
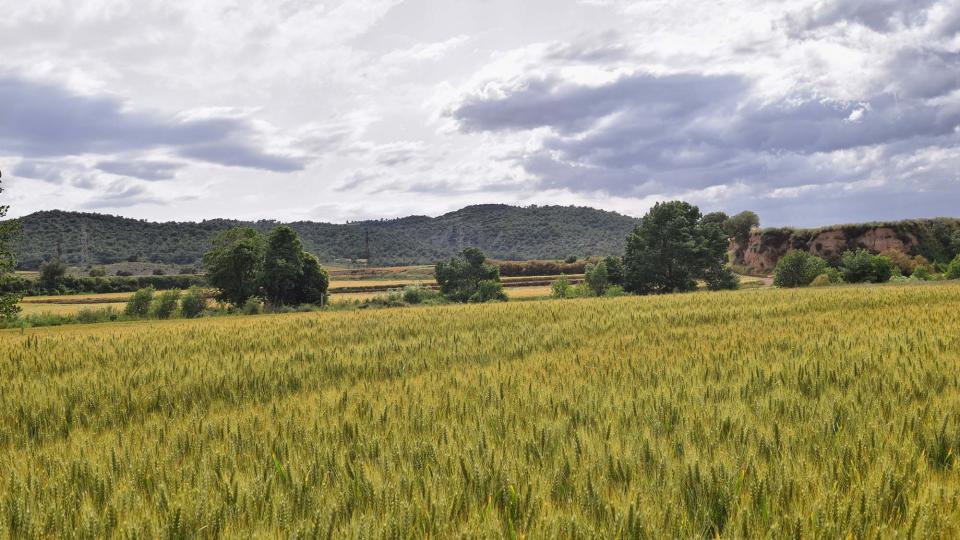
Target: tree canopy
pixel 467 278
pixel 8 301
pixel 671 248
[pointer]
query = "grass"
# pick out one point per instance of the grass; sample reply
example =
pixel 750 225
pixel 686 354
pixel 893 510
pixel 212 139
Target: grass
pixel 66 309
pixel 760 413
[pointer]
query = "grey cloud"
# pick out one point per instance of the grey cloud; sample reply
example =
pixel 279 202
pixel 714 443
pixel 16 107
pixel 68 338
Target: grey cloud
pixel 44 120
pixel 144 170
pixel 39 170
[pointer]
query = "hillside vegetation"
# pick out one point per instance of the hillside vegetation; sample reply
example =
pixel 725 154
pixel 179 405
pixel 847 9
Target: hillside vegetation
pixel 752 414
pixel 503 232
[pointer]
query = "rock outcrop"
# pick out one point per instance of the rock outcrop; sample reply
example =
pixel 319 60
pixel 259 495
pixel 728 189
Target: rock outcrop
pixel 936 239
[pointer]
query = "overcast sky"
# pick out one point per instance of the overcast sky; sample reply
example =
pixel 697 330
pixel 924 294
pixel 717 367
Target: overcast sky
pixel 806 111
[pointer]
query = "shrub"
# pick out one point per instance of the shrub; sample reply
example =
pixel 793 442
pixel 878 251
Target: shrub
pixel 461 277
pixel 158 272
pixel 798 269
pixel 488 291
pixel 139 303
pixel 883 269
pixel 821 280
pixel 923 273
pixel 614 270
pixel 193 302
pixel 900 259
pixel 52 273
pixel 98 272
pixel 721 278
pixel 253 306
pixel 857 266
pixel 614 291
pixel 597 278
pixel 165 305
pixel 560 288
pixel 953 270
pixel 570 259
pixel 415 294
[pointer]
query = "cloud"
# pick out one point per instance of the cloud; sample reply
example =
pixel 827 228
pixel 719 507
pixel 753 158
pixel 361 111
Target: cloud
pixel 878 15
pixel 144 170
pixel 45 120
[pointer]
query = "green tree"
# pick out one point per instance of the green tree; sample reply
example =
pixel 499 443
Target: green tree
pixel 193 303
pixel 716 218
pixel 8 229
pixel 488 290
pixel 139 303
pixel 460 277
pixel 738 227
pixel 165 305
pixel 52 273
pixel 883 269
pixel 615 270
pixel 597 278
pixel 233 265
pixel 953 270
pixel 670 248
pixel 282 267
pixel 313 282
pixel 798 269
pixel 721 278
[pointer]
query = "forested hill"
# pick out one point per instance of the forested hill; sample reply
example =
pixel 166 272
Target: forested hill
pixel 503 232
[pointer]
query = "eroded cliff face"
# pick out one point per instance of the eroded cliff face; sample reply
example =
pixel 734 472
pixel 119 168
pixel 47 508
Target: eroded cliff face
pixel 765 247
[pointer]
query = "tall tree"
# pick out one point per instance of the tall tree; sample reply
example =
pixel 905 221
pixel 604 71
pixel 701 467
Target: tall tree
pixel 671 248
pixel 313 283
pixel 738 227
pixel 233 265
pixel 8 301
pixel 282 266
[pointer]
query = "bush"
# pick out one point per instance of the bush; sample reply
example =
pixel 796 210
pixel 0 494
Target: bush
pixel 858 266
pixel 953 270
pixel 614 291
pixel 139 303
pixel 615 270
pixel 560 288
pixel 923 273
pixel 571 259
pixel 98 272
pixel 597 278
pixel 193 303
pixel 415 294
pixel 798 269
pixel 722 278
pixel 165 305
pixel 461 277
pixel 488 291
pixel 253 306
pixel 883 269
pixel 158 272
pixel 821 280
pixel 52 273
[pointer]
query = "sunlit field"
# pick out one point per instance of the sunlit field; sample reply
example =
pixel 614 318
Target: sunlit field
pixel 762 413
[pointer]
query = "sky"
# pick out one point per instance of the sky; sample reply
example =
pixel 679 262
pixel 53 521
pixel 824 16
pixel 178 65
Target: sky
pixel 809 112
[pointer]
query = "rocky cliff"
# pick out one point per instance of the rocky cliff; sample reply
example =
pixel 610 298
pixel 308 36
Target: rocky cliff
pixel 936 239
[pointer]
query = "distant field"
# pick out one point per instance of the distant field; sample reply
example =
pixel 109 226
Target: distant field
pixel 66 309
pixel 752 414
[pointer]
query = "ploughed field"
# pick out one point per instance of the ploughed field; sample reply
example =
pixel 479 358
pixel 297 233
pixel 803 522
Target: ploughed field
pixel 761 413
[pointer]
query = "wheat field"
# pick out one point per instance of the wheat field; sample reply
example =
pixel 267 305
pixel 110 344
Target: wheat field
pixel 762 413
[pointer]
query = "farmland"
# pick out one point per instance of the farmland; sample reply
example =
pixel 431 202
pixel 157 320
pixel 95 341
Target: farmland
pixel 748 414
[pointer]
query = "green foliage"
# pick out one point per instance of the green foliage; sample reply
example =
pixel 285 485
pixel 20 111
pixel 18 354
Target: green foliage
pixel 738 227
pixel 615 270
pixel 460 277
pixel 540 268
pixel 415 295
pixel 165 304
pixel 861 266
pixel 8 299
pixel 98 271
pixel 821 281
pixel 193 303
pixel 560 288
pixel 798 269
pixel 95 285
pixel 488 290
pixel 716 218
pixel 312 283
pixel 670 248
pixel 234 264
pixel 883 269
pixel 597 278
pixel 139 304
pixel 570 259
pixel 52 273
pixel 282 267
pixel 923 273
pixel 253 306
pixel 953 271
pixel 721 278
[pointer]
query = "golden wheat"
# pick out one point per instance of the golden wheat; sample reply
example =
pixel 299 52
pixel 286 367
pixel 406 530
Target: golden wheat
pixel 767 413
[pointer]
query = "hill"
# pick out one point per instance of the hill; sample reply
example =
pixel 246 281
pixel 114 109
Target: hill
pixel 502 231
